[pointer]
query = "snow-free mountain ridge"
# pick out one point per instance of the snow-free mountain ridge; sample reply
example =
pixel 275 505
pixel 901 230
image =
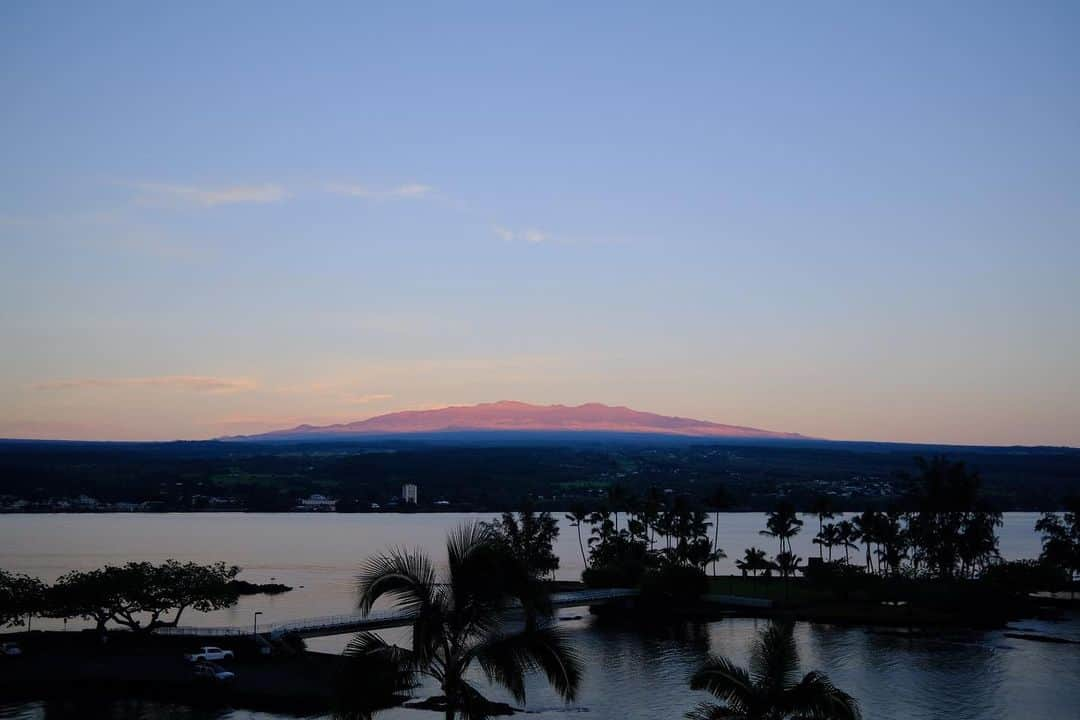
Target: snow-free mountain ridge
pixel 508 415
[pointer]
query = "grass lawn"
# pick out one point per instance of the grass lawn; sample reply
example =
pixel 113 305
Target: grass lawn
pixel 792 590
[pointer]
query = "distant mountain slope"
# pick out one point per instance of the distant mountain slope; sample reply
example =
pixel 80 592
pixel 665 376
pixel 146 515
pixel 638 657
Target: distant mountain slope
pixel 518 416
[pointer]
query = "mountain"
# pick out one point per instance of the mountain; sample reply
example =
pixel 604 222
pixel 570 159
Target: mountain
pixel 518 416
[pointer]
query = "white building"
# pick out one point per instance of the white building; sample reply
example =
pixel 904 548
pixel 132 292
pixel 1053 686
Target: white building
pixel 318 503
pixel 409 494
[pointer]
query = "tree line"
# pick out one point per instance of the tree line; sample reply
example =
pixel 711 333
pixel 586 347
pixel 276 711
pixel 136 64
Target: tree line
pixel 138 596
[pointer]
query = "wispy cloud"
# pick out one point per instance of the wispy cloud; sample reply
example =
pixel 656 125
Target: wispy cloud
pixel 210 196
pixel 399 192
pixel 529 235
pixel 191 383
pixel 366 399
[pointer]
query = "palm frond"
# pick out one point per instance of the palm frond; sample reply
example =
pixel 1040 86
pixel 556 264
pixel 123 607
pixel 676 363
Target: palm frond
pixel 816 698
pixel 505 660
pixel 712 711
pixel 774 658
pixel 726 681
pixel 406 576
pixel 375 677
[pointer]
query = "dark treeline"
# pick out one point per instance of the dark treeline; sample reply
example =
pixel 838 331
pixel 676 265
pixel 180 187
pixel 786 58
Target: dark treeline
pixel 272 477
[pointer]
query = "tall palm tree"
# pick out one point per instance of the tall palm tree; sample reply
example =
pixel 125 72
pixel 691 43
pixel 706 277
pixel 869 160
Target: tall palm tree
pixel 822 507
pixel 845 536
pixel 457 624
pixel 783 524
pixel 770 689
pixel 577 515
pixel 719 500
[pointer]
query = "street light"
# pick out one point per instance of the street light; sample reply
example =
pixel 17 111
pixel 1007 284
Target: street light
pixel 255 624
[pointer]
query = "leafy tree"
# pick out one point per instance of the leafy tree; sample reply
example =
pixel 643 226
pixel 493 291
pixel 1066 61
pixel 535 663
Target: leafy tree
pixel 138 591
pixel 457 625
pixel 529 538
pixel 21 597
pixel 951 529
pixel 1061 537
pixel 770 689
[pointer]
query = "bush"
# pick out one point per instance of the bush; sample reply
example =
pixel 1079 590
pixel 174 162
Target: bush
pixel 673 584
pixel 1026 576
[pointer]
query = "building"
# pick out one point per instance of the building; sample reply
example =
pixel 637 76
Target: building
pixel 409 494
pixel 318 503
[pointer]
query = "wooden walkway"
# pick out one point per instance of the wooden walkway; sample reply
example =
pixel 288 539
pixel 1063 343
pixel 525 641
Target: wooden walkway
pixel 378 619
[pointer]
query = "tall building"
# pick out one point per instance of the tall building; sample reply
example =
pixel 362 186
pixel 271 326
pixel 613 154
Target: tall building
pixel 409 493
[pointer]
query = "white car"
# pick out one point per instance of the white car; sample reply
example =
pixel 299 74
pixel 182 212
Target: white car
pixel 10 649
pixel 210 671
pixel 207 653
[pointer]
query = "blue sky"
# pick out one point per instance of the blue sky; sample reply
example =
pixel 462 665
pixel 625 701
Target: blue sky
pixel 850 220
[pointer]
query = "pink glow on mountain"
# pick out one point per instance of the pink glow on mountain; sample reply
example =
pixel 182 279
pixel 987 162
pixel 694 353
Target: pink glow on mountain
pixel 518 416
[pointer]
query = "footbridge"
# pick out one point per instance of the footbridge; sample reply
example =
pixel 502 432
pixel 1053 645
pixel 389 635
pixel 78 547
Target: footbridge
pixel 379 619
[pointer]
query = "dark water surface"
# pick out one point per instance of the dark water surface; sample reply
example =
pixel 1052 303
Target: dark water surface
pixel 630 675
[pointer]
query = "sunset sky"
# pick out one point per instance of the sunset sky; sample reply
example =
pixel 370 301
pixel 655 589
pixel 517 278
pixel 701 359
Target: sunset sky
pixel 848 220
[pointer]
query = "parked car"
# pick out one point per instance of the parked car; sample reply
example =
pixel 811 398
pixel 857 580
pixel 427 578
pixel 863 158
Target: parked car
pixel 10 649
pixel 207 653
pixel 213 672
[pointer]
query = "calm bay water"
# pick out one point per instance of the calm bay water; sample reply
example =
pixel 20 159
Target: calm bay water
pixel 630 675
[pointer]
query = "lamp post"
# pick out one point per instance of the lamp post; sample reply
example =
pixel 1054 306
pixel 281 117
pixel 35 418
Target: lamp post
pixel 255 623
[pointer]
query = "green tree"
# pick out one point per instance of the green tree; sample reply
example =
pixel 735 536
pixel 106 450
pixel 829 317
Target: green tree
pixel 771 688
pixel 21 597
pixel 138 595
pixel 529 538
pixel 1061 538
pixel 458 625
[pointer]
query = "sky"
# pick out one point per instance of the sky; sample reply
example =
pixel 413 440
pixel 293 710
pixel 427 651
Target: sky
pixel 851 220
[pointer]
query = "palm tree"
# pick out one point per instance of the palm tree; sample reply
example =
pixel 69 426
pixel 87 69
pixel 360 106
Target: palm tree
pixel 845 536
pixel 866 526
pixel 753 561
pixel 577 515
pixel 783 524
pixel 458 624
pixel 770 689
pixel 827 537
pixel 822 507
pixel 719 500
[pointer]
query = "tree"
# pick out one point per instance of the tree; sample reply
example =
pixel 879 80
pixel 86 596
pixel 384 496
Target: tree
pixel 788 564
pixel 138 591
pixel 720 499
pixel 577 515
pixel 866 529
pixel 753 561
pixel 458 625
pixel 21 597
pixel 827 537
pixel 529 538
pixel 770 689
pixel 822 508
pixel 1061 537
pixel 783 524
pixel 951 529
pixel 845 537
